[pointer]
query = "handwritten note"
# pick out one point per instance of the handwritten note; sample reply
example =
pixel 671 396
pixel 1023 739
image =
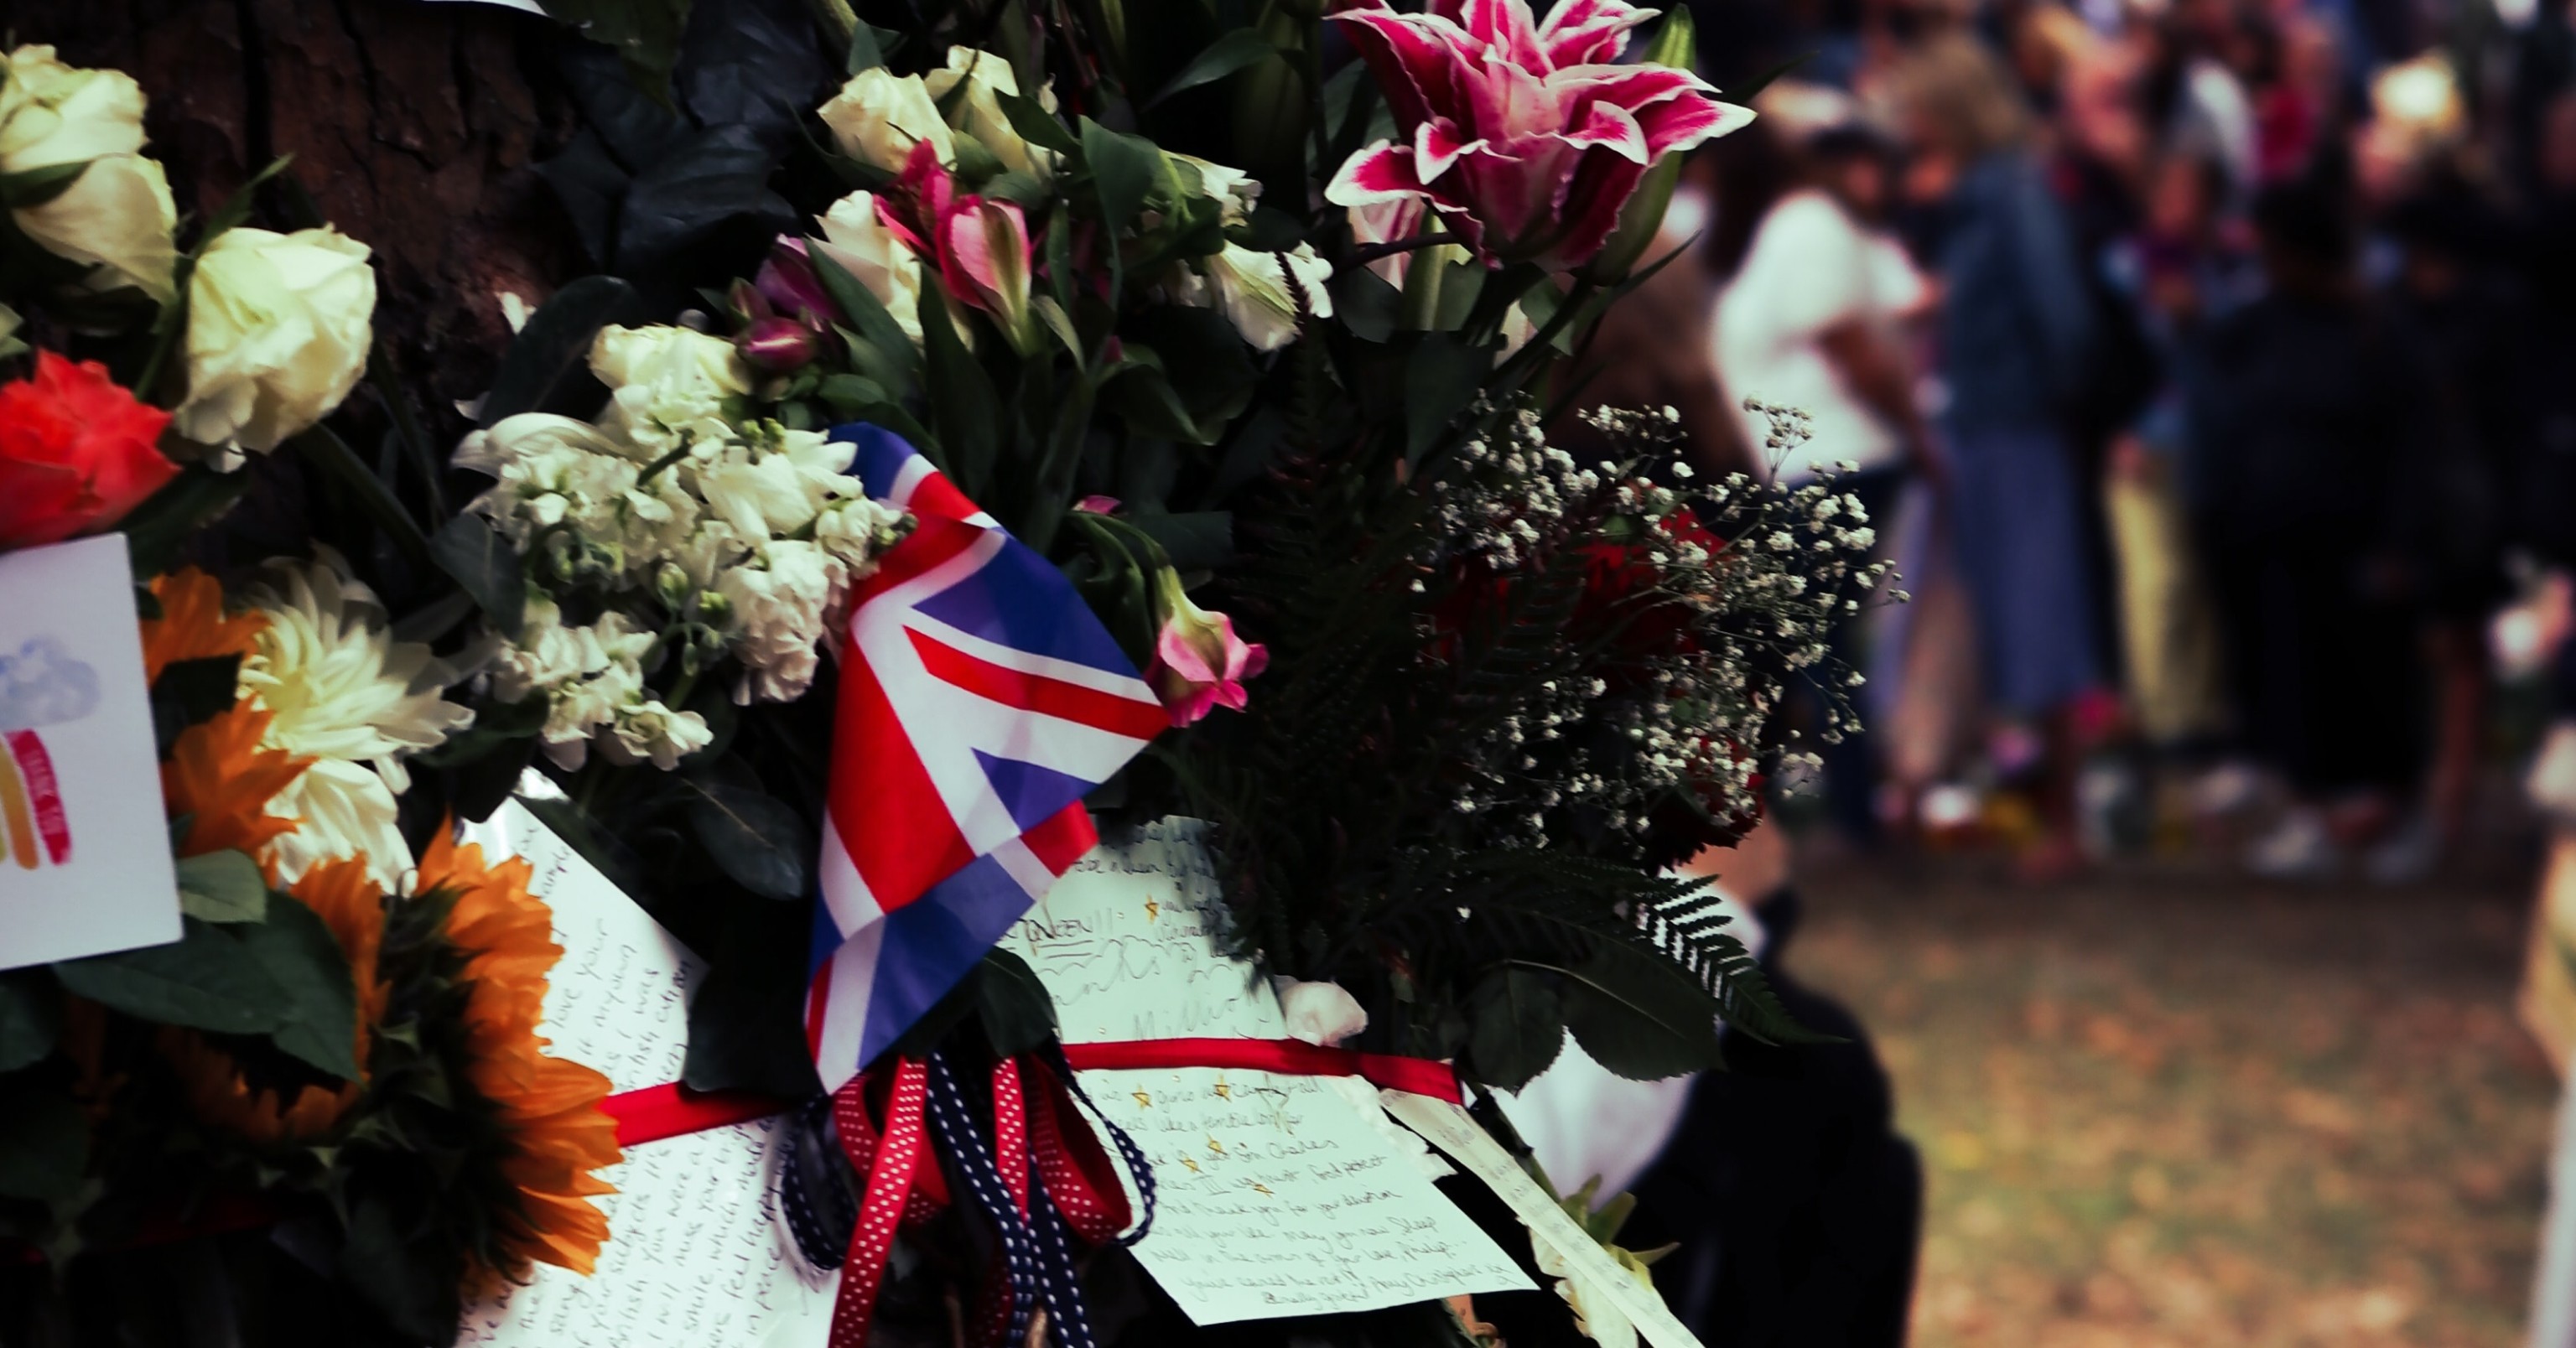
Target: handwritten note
pixel 1127 944
pixel 695 1254
pixel 1275 1195
pixel 1453 1131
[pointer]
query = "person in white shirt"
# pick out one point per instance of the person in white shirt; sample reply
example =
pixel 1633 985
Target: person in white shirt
pixel 1815 318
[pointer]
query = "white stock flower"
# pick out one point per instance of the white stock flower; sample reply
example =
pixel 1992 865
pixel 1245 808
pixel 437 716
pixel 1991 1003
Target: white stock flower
pixel 648 732
pixel 279 327
pixel 667 387
pixel 878 116
pixel 782 604
pixel 1253 290
pixel 117 215
pixel 344 693
pixel 876 257
pixel 979 113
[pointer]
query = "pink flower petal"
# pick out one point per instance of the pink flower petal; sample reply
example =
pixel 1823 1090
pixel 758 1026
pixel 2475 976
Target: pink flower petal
pixel 1607 126
pixel 1588 32
pixel 1381 173
pixel 1437 145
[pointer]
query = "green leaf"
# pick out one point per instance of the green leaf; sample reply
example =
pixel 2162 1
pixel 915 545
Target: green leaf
pixel 1440 379
pixel 412 1283
pixel 754 837
pixel 1018 1015
pixel 324 448
pixel 747 1019
pixel 866 51
pixel 645 34
pixel 1641 1021
pixel 29 188
pixel 223 887
pixel 550 358
pixel 962 399
pixel 31 1017
pixel 1123 171
pixel 1036 125
pixel 44 1141
pixel 1223 57
pixel 1366 303
pixel 191 691
pixel 205 980
pixel 1515 1029
pixel 884 353
pixel 156 530
pixel 318 1020
pixel 1196 541
pixel 468 548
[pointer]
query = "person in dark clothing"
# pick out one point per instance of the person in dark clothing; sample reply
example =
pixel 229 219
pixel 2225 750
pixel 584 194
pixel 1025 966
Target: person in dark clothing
pixel 2311 426
pixel 1797 1207
pixel 2468 329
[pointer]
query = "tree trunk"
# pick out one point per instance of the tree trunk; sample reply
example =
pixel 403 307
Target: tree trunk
pixel 414 125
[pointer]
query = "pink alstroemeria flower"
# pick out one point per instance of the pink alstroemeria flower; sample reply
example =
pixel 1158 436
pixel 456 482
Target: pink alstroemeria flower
pixel 1199 663
pixel 1523 137
pixel 981 246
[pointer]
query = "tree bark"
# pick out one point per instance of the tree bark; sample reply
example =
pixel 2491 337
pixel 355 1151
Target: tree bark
pixel 414 125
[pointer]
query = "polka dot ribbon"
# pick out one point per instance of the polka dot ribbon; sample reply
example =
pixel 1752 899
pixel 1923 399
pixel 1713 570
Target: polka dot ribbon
pixel 891 1162
pixel 1041 1148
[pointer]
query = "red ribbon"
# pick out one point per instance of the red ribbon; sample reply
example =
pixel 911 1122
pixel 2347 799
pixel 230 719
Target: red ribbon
pixel 892 1164
pixel 1421 1076
pixel 657 1112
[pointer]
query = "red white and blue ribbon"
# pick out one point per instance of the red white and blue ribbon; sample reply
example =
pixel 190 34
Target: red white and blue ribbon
pixel 979 700
pixel 1041 1181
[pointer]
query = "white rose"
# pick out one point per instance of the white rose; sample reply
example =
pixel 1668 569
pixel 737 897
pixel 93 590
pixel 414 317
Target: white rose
pixel 876 257
pixel 879 116
pixel 1252 288
pixel 1323 1014
pixel 979 113
pixel 855 529
pixel 279 326
pixel 668 386
pixel 117 215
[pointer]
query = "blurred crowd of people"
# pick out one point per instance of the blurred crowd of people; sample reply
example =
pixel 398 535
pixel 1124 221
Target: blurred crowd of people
pixel 2209 366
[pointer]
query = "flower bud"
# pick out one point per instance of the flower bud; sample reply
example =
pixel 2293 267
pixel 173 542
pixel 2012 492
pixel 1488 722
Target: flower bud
pixel 1199 663
pixel 777 345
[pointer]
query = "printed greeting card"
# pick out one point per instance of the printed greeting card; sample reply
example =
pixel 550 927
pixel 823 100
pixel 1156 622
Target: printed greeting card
pixel 84 851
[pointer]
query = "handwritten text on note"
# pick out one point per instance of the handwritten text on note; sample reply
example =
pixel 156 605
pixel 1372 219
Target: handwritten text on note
pixel 1275 1196
pixel 696 1254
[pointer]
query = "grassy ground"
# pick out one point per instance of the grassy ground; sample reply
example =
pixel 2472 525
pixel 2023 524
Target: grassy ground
pixel 2163 1106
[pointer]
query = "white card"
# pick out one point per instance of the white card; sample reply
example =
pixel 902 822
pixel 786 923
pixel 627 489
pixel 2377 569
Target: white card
pixel 1455 1132
pixel 696 1252
pixel 84 848
pixel 1274 1195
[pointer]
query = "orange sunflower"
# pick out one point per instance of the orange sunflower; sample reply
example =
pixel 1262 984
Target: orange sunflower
pixel 550 1106
pixel 216 773
pixel 349 903
pixel 193 624
pixel 222 780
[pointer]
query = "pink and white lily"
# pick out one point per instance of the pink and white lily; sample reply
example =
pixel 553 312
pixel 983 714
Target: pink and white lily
pixel 1524 137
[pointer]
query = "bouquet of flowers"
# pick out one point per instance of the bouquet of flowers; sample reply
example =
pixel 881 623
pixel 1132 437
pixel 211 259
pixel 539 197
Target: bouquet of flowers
pixel 1252 324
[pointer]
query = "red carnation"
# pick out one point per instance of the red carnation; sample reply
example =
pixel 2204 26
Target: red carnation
pixel 76 453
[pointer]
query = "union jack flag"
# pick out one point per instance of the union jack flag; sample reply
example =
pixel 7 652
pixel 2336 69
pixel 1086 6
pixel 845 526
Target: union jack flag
pixel 979 700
